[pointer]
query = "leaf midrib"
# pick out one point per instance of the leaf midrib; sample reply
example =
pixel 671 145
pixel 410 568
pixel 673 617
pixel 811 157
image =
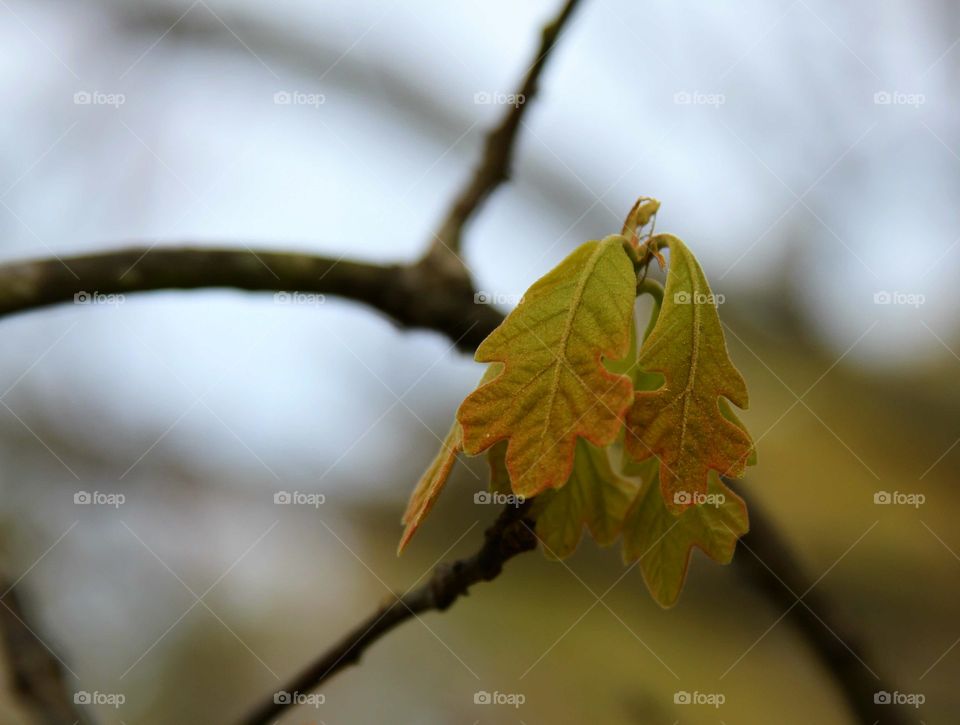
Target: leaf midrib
pixel 567 332
pixel 686 395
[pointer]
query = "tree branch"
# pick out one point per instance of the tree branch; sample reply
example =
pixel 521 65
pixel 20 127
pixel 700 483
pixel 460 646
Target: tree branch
pixel 767 562
pixel 436 292
pixel 494 167
pixel 412 296
pixel 511 534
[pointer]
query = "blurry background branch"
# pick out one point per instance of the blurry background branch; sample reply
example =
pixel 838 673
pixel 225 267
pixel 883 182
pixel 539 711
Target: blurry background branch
pixel 304 52
pixel 768 563
pixel 36 675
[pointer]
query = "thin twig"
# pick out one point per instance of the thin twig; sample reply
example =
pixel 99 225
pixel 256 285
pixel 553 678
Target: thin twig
pixel 766 560
pixel 509 535
pixel 498 151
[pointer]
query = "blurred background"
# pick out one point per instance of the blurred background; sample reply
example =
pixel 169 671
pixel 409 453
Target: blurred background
pixel 807 151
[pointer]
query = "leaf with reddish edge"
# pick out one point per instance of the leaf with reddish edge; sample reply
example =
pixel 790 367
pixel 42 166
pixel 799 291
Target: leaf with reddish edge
pixel 681 422
pixel 554 388
pixel 430 485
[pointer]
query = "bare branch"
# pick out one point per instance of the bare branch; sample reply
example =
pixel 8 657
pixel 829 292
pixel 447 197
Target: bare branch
pixel 511 534
pixel 494 167
pixel 412 296
pixel 436 292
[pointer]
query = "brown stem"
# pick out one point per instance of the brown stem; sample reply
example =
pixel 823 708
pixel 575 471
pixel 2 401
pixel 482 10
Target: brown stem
pixel 498 151
pixel 510 535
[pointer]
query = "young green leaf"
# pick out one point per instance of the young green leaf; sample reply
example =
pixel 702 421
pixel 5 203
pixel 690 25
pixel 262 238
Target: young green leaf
pixel 595 497
pixel 430 485
pixel 681 422
pixel 554 388
pixel 643 211
pixel 664 542
pixel 499 477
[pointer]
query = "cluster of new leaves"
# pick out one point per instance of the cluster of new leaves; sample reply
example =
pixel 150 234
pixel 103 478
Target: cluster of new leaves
pixel 624 438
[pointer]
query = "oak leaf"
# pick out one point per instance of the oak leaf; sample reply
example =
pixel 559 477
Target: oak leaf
pixel 595 497
pixel 681 422
pixel 663 542
pixel 554 388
